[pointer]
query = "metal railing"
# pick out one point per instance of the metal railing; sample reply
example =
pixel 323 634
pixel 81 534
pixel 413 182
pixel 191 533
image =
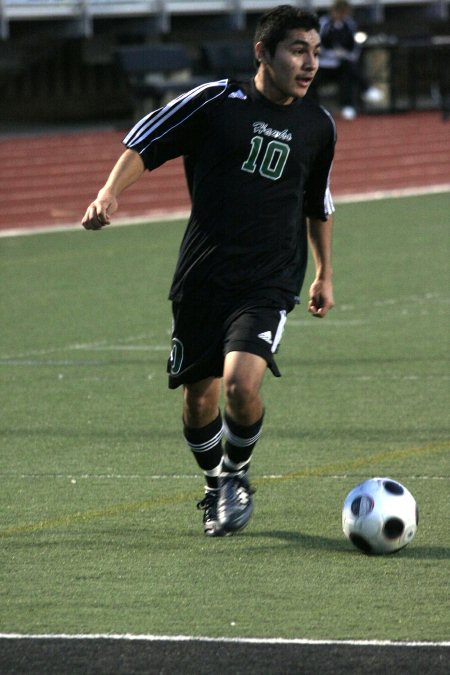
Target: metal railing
pixel 83 13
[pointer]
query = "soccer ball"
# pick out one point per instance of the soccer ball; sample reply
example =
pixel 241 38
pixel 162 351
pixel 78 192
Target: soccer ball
pixel 380 516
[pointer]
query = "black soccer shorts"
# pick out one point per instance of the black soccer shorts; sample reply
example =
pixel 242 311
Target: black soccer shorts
pixel 204 333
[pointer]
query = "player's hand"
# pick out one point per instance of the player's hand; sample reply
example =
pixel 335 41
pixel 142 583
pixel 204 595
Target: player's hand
pixel 320 298
pixel 98 214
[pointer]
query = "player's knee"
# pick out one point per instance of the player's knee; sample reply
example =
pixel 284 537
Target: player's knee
pixel 240 393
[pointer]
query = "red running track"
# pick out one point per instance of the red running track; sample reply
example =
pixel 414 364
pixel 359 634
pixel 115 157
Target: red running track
pixel 49 179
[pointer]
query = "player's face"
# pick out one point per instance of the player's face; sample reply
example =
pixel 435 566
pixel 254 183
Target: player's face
pixel 289 72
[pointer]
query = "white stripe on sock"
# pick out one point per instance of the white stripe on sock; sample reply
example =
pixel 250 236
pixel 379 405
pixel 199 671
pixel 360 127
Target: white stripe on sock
pixel 238 441
pixel 207 445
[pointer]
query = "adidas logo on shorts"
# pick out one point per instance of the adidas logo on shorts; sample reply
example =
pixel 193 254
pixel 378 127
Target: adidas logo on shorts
pixel 266 336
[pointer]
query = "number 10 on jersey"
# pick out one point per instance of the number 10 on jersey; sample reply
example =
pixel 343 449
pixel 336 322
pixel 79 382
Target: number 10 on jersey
pixel 273 159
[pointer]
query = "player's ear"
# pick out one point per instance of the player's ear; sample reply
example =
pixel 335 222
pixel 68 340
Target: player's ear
pixel 260 53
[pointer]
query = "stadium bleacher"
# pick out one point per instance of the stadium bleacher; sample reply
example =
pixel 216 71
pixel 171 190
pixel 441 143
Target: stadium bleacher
pixel 81 15
pixel 57 55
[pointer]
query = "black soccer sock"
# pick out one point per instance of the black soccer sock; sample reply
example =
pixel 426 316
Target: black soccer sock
pixel 206 446
pixel 239 444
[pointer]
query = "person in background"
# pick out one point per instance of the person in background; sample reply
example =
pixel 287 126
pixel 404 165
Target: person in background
pixel 340 60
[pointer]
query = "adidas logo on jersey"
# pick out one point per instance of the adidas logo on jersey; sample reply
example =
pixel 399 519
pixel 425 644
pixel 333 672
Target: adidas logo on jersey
pixel 238 94
pixel 266 336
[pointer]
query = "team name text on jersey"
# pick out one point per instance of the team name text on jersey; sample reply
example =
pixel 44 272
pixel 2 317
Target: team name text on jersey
pixel 264 130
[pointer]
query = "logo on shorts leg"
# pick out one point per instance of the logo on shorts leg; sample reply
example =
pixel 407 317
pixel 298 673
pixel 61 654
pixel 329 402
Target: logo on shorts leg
pixel 176 356
pixel 266 336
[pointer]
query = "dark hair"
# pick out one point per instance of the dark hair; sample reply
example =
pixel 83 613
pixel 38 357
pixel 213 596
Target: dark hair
pixel 274 25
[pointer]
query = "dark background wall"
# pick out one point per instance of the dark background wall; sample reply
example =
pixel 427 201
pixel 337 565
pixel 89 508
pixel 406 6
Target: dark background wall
pixel 65 70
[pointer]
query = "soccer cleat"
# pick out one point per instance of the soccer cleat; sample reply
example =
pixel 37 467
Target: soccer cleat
pixel 209 505
pixel 235 505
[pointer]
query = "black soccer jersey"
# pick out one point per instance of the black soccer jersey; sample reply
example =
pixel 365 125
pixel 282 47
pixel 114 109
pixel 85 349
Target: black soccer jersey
pixel 255 170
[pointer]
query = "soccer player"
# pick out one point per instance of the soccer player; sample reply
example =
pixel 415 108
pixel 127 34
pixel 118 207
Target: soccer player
pixel 258 156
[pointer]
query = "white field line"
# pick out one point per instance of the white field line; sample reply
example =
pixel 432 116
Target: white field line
pixel 232 640
pixel 84 346
pixel 329 322
pixel 391 194
pixel 129 348
pixel 8 362
pixel 178 215
pixel 159 477
pixel 124 343
pixel 155 216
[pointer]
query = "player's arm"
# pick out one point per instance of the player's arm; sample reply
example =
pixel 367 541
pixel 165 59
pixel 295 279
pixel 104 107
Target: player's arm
pixel 128 168
pixel 321 290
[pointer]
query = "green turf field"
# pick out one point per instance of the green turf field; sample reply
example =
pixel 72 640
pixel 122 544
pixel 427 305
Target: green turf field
pixel 99 529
